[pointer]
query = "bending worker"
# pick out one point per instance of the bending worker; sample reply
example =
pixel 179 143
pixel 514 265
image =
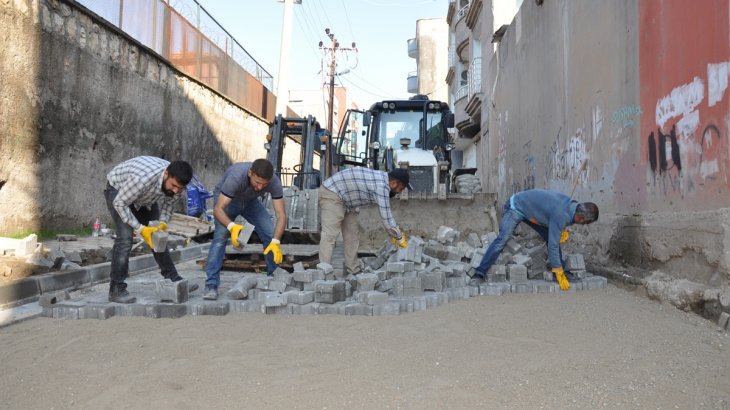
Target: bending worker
pixel 140 190
pixel 548 213
pixel 339 197
pixel 236 194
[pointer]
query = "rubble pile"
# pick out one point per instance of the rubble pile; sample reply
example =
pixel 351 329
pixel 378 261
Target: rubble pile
pixel 467 184
pixel 425 274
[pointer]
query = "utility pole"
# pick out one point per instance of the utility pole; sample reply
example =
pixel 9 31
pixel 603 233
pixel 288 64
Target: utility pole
pixel 333 49
pixel 282 86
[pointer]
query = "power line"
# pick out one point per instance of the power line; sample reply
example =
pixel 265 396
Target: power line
pixel 347 18
pixel 370 84
pixel 329 23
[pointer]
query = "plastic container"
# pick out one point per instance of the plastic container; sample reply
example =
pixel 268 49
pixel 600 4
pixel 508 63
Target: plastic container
pixel 96 227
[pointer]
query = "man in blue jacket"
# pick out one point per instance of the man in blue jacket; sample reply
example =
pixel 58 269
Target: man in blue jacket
pixel 548 213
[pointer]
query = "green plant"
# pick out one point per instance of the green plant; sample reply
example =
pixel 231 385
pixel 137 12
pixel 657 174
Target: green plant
pixel 46 234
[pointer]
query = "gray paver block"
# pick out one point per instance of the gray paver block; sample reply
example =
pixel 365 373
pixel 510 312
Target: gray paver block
pixel 433 280
pixel 521 288
pixel 474 240
pixel 542 286
pixel 245 306
pixel 299 297
pixel 280 275
pixel 169 291
pixel 273 299
pixel 329 291
pixel 277 286
pixel 298 267
pixel 387 309
pixel 307 309
pixel 325 267
pixel 724 321
pixel 522 259
pixel 357 309
pixel 209 308
pixel 159 241
pixel 594 282
pixel 494 289
pixel 574 261
pixel 372 297
pixel 245 234
pixel 276 310
pixel 366 281
pixel 455 282
pixel 55 281
pixel 517 273
pixel 168 311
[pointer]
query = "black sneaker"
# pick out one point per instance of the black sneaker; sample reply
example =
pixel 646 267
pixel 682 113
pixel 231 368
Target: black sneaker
pixel 121 296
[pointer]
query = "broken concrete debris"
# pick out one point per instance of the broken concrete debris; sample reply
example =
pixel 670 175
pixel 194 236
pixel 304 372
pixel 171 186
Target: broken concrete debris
pixel 426 274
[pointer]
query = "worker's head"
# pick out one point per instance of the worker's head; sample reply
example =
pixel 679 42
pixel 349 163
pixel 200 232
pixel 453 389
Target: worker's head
pixel 586 213
pixel 398 180
pixel 176 177
pixel 260 174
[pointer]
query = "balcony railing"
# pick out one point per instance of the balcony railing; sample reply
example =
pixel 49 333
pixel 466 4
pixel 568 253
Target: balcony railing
pixel 183 32
pixel 413 48
pixel 462 12
pixel 475 77
pixel 462 92
pixel 413 82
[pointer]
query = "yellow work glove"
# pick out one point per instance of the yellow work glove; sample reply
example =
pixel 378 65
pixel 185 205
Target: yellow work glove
pixel 564 236
pixel 560 277
pixel 146 234
pixel 402 242
pixel 162 226
pixel 275 247
pixel 235 229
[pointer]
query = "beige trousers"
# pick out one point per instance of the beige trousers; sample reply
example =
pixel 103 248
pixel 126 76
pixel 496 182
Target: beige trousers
pixel 335 218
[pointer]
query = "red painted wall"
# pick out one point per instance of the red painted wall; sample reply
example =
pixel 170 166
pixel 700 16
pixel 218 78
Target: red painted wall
pixel 684 57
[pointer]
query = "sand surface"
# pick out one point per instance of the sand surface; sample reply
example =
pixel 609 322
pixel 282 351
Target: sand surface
pixel 604 348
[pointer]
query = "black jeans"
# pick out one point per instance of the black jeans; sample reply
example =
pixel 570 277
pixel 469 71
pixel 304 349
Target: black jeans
pixel 123 243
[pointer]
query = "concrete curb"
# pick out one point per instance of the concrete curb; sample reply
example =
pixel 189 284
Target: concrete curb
pixel 28 290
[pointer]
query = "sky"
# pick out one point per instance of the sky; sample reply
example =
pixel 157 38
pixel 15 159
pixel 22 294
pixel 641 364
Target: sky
pixel 380 29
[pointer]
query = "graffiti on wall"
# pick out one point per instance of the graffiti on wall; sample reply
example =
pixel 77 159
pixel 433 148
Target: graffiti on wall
pixel 627 115
pixel 683 152
pixel 565 158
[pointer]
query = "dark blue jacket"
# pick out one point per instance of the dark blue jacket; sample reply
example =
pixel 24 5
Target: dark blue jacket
pixel 550 209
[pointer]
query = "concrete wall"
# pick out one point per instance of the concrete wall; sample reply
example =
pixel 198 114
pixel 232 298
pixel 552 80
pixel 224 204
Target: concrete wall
pixel 638 90
pixel 78 97
pixel 433 48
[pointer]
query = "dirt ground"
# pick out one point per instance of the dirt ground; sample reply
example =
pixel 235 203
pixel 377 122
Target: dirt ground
pixel 604 348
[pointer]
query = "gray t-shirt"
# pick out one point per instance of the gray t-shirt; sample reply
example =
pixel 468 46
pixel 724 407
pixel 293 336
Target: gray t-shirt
pixel 236 185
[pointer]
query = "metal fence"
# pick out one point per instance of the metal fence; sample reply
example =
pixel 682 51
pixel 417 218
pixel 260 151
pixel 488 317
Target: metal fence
pixel 475 77
pixel 182 32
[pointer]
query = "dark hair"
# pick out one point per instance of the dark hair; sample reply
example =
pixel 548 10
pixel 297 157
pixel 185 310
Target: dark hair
pixel 588 210
pixel 263 168
pixel 180 170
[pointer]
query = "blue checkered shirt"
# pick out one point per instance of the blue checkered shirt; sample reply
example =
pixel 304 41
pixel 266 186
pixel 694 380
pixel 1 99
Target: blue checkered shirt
pixel 360 186
pixel 138 182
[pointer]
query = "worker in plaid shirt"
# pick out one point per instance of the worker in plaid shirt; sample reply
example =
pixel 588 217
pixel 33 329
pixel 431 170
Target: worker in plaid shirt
pixel 138 191
pixel 339 198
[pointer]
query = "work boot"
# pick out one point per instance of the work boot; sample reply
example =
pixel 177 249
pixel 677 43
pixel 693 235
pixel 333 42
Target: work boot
pixel 121 296
pixel 210 294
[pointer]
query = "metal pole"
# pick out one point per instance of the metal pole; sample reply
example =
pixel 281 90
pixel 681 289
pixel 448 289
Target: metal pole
pixel 330 120
pixel 282 87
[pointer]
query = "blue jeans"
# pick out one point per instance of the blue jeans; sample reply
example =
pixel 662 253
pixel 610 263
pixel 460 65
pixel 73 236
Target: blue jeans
pixel 123 243
pixel 255 213
pixel 510 220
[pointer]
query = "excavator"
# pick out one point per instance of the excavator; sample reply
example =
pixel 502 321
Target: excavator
pixel 411 134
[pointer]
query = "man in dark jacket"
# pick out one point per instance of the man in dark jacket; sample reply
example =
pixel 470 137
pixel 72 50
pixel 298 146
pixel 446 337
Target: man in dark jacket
pixel 548 213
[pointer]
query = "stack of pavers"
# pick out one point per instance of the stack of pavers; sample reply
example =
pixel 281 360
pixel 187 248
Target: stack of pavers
pixel 423 275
